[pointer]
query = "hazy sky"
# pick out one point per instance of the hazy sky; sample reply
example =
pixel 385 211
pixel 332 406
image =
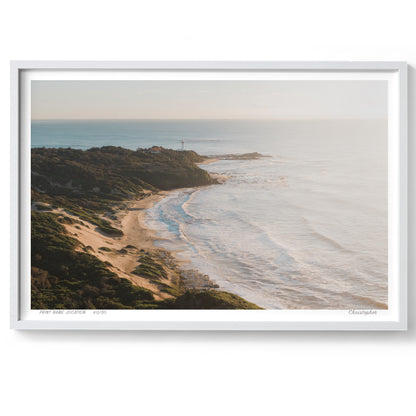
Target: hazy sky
pixel 208 99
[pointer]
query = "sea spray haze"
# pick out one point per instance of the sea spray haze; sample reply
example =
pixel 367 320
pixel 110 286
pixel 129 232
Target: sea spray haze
pixel 305 228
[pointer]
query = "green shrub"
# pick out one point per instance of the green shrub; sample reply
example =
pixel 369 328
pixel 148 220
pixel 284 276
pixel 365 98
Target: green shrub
pixel 63 278
pixel 150 268
pixel 105 249
pixel 208 299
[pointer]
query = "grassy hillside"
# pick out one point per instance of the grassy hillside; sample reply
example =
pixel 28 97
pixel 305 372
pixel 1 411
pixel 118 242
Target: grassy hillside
pixel 208 299
pixel 111 173
pixel 88 184
pixel 63 278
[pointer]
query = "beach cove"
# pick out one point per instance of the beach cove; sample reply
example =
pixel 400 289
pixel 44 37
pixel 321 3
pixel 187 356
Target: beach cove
pixel 123 253
pixel 123 267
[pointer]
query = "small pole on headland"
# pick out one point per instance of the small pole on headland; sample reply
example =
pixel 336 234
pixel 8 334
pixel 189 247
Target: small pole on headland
pixel 183 144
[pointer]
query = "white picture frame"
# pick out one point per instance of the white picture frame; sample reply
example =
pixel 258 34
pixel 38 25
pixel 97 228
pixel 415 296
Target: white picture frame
pixel 264 320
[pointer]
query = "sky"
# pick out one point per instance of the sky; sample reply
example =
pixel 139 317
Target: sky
pixel 208 99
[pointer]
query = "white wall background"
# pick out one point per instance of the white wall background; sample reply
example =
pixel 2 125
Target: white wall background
pixel 56 373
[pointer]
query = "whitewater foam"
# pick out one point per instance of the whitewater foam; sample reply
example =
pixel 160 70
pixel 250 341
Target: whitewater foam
pixel 293 231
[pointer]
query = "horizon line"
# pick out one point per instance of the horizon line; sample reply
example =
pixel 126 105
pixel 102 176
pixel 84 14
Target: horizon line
pixel 205 118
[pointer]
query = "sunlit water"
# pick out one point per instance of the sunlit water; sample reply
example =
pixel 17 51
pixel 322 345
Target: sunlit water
pixel 304 228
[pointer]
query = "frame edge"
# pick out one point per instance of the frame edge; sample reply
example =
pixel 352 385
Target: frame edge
pixel 14 194
pixel 16 66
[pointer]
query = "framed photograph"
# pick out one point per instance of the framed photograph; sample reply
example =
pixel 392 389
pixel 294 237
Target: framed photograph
pixel 209 195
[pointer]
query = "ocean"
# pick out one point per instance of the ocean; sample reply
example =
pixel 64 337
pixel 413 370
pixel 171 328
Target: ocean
pixel 305 228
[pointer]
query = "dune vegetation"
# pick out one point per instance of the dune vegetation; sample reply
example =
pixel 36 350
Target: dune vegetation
pixel 86 189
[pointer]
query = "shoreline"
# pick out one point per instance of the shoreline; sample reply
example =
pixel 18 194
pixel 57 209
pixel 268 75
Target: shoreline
pixel 135 229
pixel 217 176
pixel 122 254
pixel 114 234
pixel 208 160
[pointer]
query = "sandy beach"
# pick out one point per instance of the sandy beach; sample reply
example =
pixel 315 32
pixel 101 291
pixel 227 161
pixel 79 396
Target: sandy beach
pixel 122 254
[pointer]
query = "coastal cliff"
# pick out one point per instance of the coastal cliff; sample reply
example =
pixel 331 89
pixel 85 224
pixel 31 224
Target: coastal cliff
pixel 89 248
